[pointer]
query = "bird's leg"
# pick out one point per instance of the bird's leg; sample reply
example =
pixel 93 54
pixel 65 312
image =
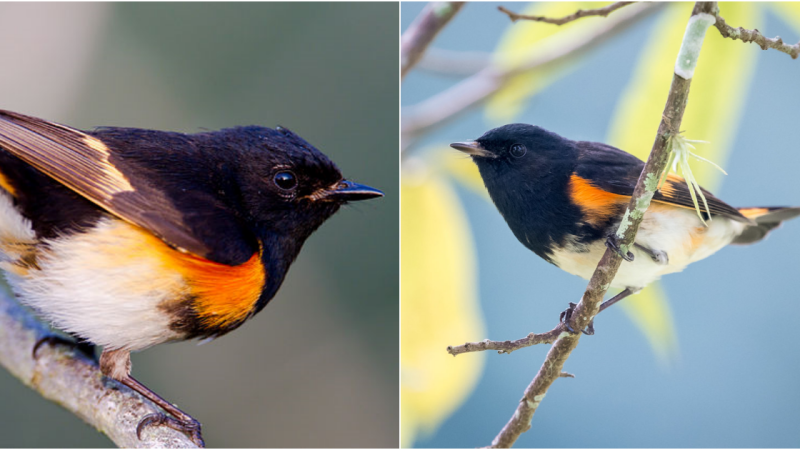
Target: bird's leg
pixel 566 315
pixel 87 348
pixel 116 364
pixel 613 243
pixel 659 256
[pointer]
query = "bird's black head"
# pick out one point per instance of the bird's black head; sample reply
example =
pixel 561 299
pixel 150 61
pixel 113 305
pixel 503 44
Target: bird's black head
pixel 516 143
pixel 287 185
pixel 519 154
pixel 526 170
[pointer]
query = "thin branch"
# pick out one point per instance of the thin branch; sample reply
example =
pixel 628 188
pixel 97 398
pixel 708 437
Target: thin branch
pixel 447 105
pixel 646 186
pixel 509 346
pixel 72 380
pixel 745 35
pixel 454 63
pixel 423 30
pixel 605 11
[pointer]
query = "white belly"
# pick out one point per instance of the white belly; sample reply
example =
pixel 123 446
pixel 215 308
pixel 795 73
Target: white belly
pixel 676 231
pixel 97 286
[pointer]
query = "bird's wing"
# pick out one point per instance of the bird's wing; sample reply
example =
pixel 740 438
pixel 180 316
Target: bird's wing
pixel 190 220
pixel 615 171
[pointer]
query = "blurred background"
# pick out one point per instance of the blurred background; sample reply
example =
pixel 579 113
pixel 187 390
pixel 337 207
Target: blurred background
pixel 318 367
pixel 707 358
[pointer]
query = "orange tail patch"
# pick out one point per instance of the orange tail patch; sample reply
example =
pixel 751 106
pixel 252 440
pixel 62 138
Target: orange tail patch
pixel 752 213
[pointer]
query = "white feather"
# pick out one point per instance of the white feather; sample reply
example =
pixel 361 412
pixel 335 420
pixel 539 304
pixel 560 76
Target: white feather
pixel 676 231
pixel 92 285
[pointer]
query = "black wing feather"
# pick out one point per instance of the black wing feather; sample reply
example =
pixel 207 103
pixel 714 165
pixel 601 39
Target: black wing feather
pixel 192 220
pixel 616 171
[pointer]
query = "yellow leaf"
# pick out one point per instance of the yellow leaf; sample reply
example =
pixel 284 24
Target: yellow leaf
pixel 439 305
pixel 714 108
pixel 523 38
pixel 650 312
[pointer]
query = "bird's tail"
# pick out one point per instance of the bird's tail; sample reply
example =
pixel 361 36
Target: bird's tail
pixel 765 218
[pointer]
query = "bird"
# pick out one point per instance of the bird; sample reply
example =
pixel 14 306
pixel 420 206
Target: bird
pixel 127 238
pixel 564 200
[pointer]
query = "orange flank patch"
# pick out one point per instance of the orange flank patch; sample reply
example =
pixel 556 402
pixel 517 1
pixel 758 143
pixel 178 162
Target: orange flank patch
pixel 222 295
pixel 597 205
pixel 752 213
pixel 6 185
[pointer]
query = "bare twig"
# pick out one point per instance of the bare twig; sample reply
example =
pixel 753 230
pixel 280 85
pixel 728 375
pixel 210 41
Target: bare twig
pixel 609 264
pixel 423 30
pixel 440 108
pixel 67 377
pixel 745 35
pixel 509 346
pixel 458 63
pixel 605 11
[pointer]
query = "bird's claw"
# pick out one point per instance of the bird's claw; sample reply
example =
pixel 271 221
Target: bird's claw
pixel 565 317
pixel 613 244
pixel 54 339
pixel 189 427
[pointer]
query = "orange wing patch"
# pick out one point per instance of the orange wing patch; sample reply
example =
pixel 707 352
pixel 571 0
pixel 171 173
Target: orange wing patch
pixel 597 205
pixel 6 185
pixel 667 189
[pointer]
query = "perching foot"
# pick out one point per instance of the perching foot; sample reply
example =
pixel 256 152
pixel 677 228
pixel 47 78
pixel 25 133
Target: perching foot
pixel 613 243
pixel 189 427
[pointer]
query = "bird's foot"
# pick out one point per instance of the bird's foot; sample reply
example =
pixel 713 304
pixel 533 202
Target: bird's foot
pixel 613 243
pixel 566 316
pixel 190 427
pixel 659 256
pixel 53 339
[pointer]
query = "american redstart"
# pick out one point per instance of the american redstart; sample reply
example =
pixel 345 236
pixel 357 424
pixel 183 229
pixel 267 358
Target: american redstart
pixel 564 201
pixel 127 238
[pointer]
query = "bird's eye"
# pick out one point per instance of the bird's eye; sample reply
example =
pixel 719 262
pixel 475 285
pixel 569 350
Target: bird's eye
pixel 285 180
pixel 518 150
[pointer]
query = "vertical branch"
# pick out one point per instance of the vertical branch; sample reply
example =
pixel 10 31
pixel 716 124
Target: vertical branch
pixel 423 30
pixel 702 18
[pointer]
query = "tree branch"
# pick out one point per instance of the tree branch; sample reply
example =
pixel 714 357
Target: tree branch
pixel 605 11
pixel 509 346
pixel 447 105
pixel 67 377
pixel 423 30
pixel 454 63
pixel 745 35
pixel 609 264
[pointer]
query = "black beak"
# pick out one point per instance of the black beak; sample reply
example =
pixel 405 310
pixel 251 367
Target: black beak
pixel 347 191
pixel 472 148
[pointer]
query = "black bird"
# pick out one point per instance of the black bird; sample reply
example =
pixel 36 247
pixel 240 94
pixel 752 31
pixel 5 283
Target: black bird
pixel 127 238
pixel 564 201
